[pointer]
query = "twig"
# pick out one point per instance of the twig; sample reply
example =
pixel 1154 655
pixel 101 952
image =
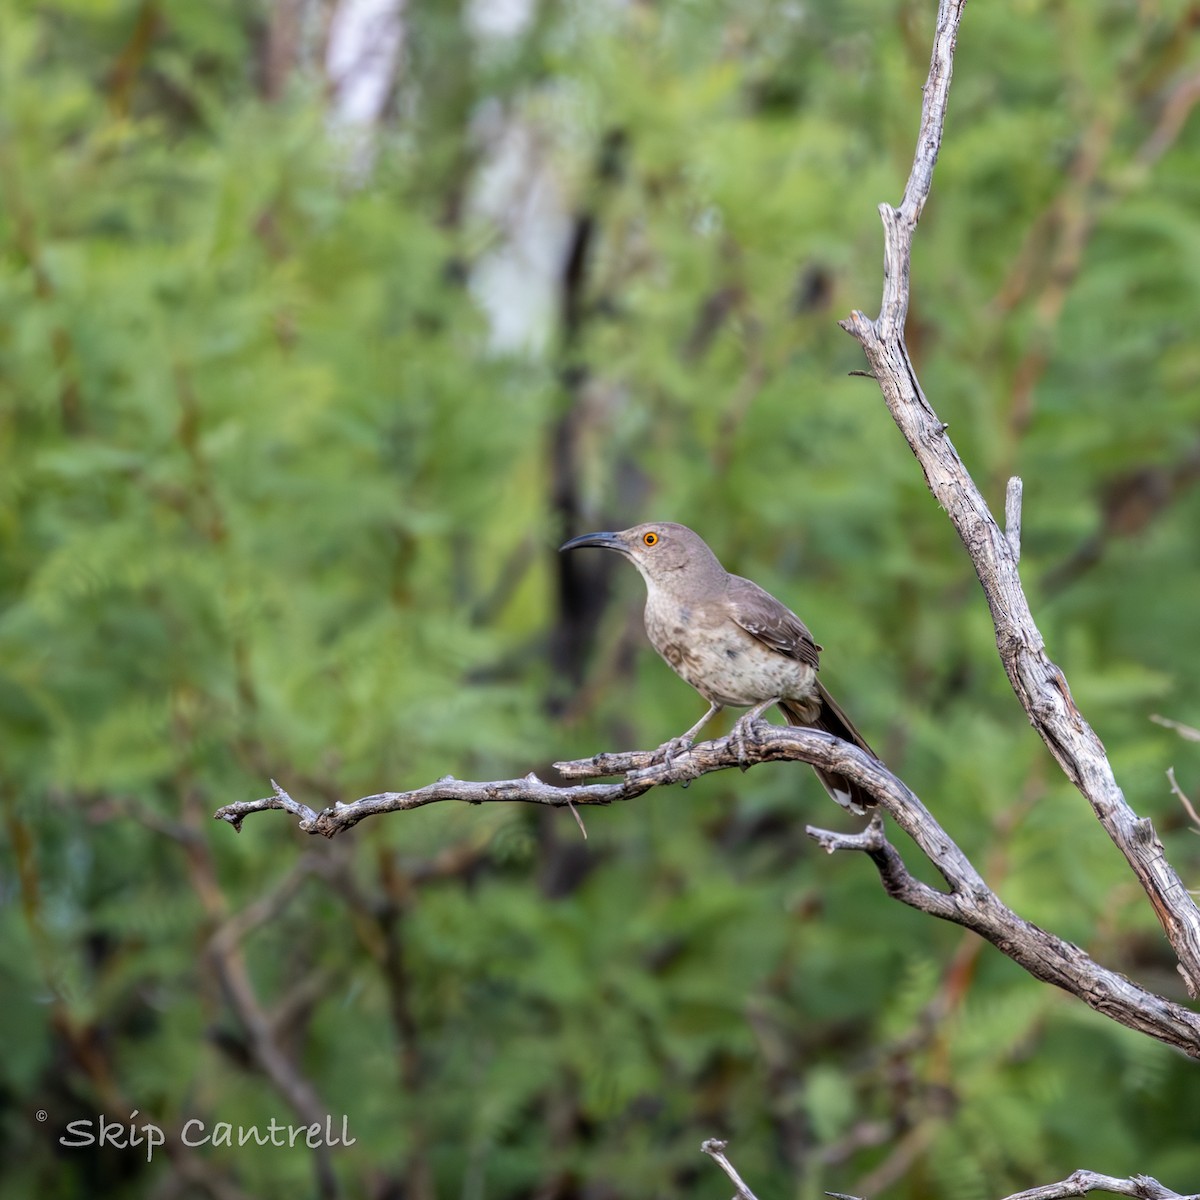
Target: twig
pixel 1187 732
pixel 529 790
pixel 1182 797
pixel 236 813
pixel 578 819
pixel 1012 516
pixel 716 1151
pixel 900 223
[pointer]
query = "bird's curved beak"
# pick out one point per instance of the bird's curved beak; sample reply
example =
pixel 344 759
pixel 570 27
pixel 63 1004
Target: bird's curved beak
pixel 605 541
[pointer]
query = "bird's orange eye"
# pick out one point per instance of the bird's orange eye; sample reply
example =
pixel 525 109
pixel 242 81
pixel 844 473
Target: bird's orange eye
pixel 650 539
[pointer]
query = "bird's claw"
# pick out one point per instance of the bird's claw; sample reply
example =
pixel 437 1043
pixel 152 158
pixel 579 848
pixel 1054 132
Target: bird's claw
pixel 742 727
pixel 668 750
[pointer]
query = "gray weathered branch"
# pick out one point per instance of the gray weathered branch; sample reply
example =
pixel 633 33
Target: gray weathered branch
pixel 1079 1183
pixel 1012 515
pixel 716 1151
pixel 966 900
pixel 1038 683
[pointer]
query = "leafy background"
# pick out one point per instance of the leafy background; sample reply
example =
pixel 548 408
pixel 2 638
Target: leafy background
pixel 275 500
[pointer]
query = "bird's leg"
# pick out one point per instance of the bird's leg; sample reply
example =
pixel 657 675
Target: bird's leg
pixel 677 745
pixel 742 726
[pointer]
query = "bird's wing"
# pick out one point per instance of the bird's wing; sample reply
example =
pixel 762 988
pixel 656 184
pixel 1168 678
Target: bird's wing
pixel 773 623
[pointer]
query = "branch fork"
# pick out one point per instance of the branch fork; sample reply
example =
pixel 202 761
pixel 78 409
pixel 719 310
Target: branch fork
pixel 966 900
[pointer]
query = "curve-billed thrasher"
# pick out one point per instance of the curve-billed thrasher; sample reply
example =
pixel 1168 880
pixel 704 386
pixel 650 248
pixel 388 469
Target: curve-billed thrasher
pixel 732 641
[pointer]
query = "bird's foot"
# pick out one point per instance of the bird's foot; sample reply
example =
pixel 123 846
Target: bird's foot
pixel 667 752
pixel 743 730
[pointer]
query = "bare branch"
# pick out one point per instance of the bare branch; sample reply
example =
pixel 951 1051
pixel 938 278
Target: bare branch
pixel 897 881
pixel 529 790
pixel 1038 683
pixel 970 903
pixel 1012 516
pixel 1187 732
pixel 716 1151
pixel 1182 797
pixel 1079 1183
pixel 236 813
pixel 967 901
pixel 901 222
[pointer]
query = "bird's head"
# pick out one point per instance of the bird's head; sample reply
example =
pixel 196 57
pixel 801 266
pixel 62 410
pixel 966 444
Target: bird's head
pixel 661 550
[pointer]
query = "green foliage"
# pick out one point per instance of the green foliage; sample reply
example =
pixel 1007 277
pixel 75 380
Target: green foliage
pixel 272 503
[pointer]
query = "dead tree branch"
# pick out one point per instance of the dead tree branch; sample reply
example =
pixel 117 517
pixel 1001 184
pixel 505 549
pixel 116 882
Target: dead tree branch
pixel 966 901
pixel 716 1151
pixel 1079 1183
pixel 1038 683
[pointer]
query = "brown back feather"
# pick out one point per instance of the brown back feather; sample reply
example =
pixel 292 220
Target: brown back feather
pixel 773 623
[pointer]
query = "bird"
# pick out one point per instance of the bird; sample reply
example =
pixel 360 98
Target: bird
pixel 731 640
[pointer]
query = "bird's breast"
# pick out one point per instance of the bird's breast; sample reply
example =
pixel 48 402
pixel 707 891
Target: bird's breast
pixel 721 660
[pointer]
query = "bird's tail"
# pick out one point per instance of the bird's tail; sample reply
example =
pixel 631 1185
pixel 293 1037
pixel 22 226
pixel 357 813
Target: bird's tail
pixel 825 713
